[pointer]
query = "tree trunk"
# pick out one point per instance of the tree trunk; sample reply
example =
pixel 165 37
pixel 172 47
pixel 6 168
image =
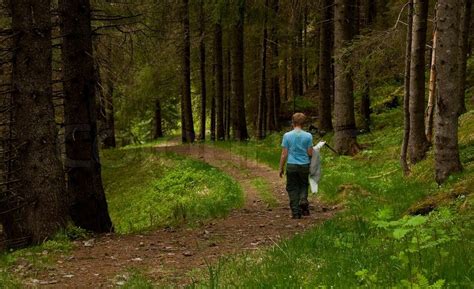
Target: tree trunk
pixel 365 104
pixel 187 124
pixel 417 143
pixel 202 62
pixel 285 78
pixel 303 46
pixel 229 96
pixel 464 38
pixel 431 93
pixel 406 98
pixel 345 130
pixel 38 208
pixel 88 208
pixel 274 100
pixel 262 97
pixel 296 51
pixel 325 123
pixel 158 121
pixel 213 105
pixel 449 83
pixel 239 123
pixel 370 12
pixel 220 134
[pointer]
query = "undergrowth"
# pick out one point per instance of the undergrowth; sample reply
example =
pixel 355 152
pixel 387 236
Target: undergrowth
pixel 373 242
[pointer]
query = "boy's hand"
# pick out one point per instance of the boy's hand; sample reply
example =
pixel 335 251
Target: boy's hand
pixel 282 172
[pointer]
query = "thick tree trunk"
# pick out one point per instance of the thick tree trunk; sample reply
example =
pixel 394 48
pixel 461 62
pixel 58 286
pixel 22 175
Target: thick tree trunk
pixel 431 93
pixel 345 130
pixel 417 144
pixel 325 91
pixel 38 209
pixel 239 123
pixel 262 97
pixel 220 134
pixel 158 121
pixel 406 98
pixel 464 38
pixel 88 207
pixel 202 62
pixel 187 124
pixel 449 83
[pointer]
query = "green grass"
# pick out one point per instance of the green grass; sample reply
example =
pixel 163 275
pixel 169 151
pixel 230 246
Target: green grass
pixel 41 257
pixel 146 189
pixel 371 243
pixel 265 192
pixel 134 279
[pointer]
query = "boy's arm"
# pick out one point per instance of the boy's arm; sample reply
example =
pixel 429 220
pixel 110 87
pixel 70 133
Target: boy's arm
pixel 284 156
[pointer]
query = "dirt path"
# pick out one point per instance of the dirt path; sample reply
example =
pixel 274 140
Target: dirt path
pixel 167 255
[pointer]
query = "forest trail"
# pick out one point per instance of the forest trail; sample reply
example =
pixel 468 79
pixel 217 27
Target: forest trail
pixel 167 255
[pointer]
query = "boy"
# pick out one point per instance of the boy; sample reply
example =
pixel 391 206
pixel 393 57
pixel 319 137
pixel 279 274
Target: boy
pixel 296 153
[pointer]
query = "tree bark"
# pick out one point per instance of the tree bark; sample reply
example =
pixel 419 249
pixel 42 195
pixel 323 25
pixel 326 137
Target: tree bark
pixel 262 97
pixel 229 96
pixel 449 83
pixel 417 143
pixel 370 12
pixel 158 121
pixel 464 38
pixel 88 207
pixel 239 123
pixel 365 104
pixel 38 208
pixel 296 51
pixel 202 62
pixel 325 119
pixel 345 130
pixel 187 124
pixel 431 93
pixel 274 100
pixel 220 134
pixel 406 98
pixel 213 105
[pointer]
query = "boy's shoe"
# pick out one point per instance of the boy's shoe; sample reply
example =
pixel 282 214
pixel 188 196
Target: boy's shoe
pixel 304 209
pixel 296 216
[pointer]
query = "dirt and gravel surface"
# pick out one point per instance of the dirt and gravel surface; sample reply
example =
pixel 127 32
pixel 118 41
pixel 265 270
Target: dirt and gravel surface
pixel 168 254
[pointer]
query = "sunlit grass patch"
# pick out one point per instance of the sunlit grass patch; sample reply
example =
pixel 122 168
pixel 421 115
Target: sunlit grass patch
pixel 146 189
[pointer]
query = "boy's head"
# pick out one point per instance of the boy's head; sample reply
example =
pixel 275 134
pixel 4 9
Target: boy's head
pixel 298 119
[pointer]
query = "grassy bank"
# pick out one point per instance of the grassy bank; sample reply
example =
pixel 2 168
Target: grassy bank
pixel 373 243
pixel 146 189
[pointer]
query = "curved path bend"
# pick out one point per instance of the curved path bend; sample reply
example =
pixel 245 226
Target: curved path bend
pixel 167 255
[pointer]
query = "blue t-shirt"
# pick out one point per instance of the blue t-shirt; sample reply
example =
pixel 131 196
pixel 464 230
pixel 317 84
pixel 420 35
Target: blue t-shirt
pixel 297 142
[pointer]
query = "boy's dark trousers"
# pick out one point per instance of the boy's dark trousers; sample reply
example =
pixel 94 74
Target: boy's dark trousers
pixel 297 187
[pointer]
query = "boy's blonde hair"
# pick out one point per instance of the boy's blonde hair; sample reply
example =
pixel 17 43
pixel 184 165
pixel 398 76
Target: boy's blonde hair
pixel 298 119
